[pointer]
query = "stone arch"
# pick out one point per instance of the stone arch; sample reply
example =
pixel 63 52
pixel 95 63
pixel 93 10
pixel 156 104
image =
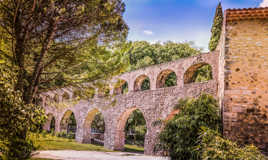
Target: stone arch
pixel 140 82
pixel 121 87
pixel 65 96
pixel 190 74
pixel 163 76
pixel 50 123
pixel 120 128
pixel 87 126
pixel 64 123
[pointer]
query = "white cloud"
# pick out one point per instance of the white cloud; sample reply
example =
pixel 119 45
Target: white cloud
pixel 148 32
pixel 264 3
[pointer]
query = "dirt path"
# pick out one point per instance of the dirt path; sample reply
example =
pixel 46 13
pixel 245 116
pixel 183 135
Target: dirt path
pixel 91 155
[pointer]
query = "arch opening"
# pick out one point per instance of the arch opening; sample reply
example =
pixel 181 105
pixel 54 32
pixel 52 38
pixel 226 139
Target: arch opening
pixel 201 72
pixel 121 87
pixel 68 125
pixel 166 78
pixel 94 128
pixel 49 126
pixel 131 130
pixel 142 83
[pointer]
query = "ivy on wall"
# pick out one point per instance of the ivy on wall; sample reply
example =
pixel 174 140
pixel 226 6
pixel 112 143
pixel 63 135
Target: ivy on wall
pixel 216 28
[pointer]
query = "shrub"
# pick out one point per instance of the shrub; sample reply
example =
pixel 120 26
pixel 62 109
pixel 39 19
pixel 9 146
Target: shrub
pixel 16 118
pixel 180 134
pixel 213 146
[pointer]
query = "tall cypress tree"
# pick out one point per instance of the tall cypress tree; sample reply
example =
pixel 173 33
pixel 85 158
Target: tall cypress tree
pixel 216 28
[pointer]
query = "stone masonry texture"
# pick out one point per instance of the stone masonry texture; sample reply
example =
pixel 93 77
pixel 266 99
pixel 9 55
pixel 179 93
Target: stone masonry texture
pixel 155 104
pixel 240 83
pixel 246 82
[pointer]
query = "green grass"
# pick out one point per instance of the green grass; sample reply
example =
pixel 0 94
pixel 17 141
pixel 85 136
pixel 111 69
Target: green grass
pixel 40 159
pixel 48 142
pixel 133 148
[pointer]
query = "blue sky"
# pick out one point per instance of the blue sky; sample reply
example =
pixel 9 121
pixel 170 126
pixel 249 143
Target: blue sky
pixel 175 20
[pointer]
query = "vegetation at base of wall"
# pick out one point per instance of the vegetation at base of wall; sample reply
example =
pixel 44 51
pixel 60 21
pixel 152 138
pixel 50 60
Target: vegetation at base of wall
pixel 213 146
pixel 180 135
pixel 63 134
pixel 193 134
pixel 216 28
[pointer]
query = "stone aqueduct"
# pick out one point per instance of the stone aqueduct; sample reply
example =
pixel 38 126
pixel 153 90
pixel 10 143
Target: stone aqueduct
pixel 156 104
pixel 240 83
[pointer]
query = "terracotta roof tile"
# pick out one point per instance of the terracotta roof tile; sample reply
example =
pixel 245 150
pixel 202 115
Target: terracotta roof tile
pixel 246 14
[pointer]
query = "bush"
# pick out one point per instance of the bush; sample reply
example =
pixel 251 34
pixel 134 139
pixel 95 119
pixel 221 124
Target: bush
pixel 16 118
pixel 180 135
pixel 213 146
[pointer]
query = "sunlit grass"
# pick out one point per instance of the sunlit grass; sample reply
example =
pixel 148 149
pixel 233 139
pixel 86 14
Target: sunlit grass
pixel 40 159
pixel 133 148
pixel 48 142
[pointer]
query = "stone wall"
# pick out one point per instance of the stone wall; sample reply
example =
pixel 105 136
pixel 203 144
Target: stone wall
pixel 155 104
pixel 246 82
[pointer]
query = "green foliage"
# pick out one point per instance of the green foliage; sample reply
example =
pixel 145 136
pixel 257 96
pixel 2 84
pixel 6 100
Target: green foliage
pixel 216 28
pixel 143 53
pixel 71 126
pixel 98 123
pixel 171 80
pixel 52 125
pixel 203 74
pixel 78 41
pixel 135 128
pixel 180 135
pixel 16 117
pixel 50 142
pixel 145 84
pixel 213 146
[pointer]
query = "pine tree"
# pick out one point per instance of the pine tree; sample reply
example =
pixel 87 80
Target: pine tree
pixel 216 28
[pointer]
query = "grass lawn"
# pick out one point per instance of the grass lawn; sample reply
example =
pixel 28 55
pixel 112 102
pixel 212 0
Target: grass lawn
pixel 133 148
pixel 48 142
pixel 40 159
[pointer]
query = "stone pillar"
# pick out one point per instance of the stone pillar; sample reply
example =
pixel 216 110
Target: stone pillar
pixel 47 125
pixel 119 140
pixel 79 130
pixel 131 85
pixel 57 125
pixel 109 136
pixel 180 74
pixel 151 139
pixel 153 80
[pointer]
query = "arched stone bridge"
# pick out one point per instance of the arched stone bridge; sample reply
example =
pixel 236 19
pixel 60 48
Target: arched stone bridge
pixel 156 103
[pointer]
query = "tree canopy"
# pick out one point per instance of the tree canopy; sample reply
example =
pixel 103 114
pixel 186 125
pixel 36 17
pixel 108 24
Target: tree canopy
pixel 48 39
pixel 142 53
